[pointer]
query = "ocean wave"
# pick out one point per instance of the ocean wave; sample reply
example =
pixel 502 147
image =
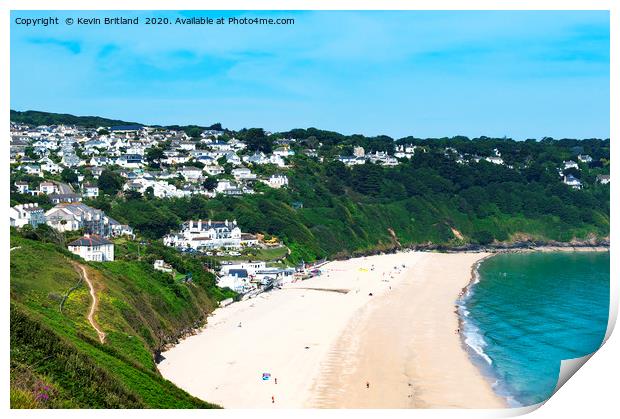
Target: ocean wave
pixel 475 343
pixel 473 338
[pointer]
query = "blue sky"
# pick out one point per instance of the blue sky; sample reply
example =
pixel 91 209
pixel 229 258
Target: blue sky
pixel 516 74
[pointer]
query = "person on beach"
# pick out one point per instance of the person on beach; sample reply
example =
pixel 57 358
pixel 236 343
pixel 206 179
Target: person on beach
pixel 367 384
pixel 273 399
pixel 275 380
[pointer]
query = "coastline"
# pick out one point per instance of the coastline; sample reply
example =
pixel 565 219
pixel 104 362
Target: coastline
pixel 323 346
pixel 472 338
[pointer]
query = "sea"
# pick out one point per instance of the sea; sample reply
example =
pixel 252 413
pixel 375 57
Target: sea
pixel 525 312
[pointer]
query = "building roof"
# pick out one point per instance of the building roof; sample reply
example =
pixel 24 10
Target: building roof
pixel 90 241
pixel 126 127
pixel 239 273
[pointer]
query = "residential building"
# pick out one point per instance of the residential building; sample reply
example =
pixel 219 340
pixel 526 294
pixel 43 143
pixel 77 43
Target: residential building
pixel 213 170
pixel 160 265
pixel 191 173
pixel 571 165
pixel 75 216
pixel 206 235
pixel 93 248
pixel 243 173
pixel 58 198
pixel 22 187
pixel 602 179
pixel 48 188
pixel 276 181
pixel 572 181
pixel 494 160
pixel 24 214
pixel 90 191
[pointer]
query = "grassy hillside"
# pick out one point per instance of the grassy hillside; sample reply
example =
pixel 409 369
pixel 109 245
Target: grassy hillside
pixel 56 358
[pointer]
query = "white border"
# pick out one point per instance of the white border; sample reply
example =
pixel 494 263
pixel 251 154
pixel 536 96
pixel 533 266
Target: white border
pixel 593 393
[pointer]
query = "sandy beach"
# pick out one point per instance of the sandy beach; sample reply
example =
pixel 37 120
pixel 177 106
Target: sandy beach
pixel 325 338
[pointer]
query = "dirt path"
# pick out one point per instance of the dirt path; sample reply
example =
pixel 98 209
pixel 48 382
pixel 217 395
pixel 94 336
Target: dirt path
pixel 93 307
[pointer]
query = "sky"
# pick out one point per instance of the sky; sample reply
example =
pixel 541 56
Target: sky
pixel 520 74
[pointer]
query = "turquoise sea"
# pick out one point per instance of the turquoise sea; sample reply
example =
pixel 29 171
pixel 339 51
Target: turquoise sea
pixel 526 312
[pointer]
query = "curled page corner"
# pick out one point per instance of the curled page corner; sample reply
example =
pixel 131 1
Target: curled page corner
pixel 568 368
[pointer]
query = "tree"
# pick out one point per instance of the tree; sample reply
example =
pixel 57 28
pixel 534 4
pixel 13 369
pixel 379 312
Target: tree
pixel 110 183
pixel 132 195
pixel 483 237
pixel 193 132
pixel 68 176
pixel 256 140
pixel 366 178
pixel 29 152
pixel 209 183
pixel 149 193
pixel 154 155
pixel 103 131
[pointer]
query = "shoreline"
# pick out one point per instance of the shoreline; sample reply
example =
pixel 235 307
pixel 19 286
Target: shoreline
pixel 477 358
pixel 307 338
pixel 480 359
pixel 458 304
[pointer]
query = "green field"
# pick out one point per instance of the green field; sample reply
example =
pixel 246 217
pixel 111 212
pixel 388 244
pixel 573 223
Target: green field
pixel 56 359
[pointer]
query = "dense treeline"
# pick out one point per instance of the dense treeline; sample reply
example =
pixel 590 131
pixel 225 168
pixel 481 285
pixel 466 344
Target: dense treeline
pixel 37 118
pixel 422 200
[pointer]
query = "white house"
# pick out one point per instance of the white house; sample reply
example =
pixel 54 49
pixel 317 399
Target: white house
pixel 277 160
pixel 22 187
pixel 572 181
pixel 277 181
pixel 237 280
pixel 233 158
pixel 93 248
pixel 73 216
pixel 256 158
pixel 206 235
pixel 47 165
pixel 130 161
pixel 32 169
pixel 160 265
pixel 494 160
pixel 213 170
pixel 571 165
pixel 48 188
pixel 191 172
pixel 21 215
pixel 90 191
pixel 243 173
pixel 584 158
pixel 602 179
pixel 285 152
pixel 250 267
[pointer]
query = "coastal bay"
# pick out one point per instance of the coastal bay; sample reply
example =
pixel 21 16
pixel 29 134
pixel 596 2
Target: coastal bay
pixel 372 332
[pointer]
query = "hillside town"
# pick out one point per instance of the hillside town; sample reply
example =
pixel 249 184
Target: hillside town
pixel 168 163
pixel 72 166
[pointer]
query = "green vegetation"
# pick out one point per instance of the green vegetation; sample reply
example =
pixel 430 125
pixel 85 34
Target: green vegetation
pixel 428 199
pixel 56 359
pixel 47 118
